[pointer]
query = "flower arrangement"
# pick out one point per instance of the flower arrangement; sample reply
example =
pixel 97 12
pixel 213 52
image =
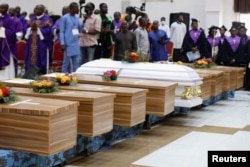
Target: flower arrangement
pixel 44 86
pixel 66 79
pixel 132 57
pixel 178 62
pixel 203 63
pixel 110 75
pixel 7 95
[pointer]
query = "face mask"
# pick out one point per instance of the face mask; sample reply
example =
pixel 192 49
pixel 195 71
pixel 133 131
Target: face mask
pixel 163 22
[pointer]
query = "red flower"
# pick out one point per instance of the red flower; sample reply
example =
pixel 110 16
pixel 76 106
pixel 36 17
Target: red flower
pixel 113 72
pixel 134 58
pixel 5 91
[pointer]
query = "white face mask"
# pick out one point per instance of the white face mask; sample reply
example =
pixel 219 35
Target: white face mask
pixel 163 22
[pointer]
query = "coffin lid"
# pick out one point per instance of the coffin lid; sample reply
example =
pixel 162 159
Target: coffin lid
pixel 37 106
pixel 181 74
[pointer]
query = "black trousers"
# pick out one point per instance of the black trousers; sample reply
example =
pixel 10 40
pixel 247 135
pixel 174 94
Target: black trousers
pixel 177 56
pixel 247 77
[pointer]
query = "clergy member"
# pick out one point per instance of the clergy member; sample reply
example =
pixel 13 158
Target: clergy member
pixel 39 40
pixel 233 50
pixel 7 35
pixel 221 38
pixel 56 26
pixel 213 41
pixel 245 40
pixel 195 42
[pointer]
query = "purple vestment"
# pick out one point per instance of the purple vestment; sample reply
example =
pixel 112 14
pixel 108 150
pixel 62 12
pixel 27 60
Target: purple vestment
pixel 195 34
pixel 213 41
pixel 55 27
pixel 39 47
pixel 24 23
pixel 10 31
pixel 234 42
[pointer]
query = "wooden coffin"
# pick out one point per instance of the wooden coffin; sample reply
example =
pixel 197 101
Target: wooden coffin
pixel 95 111
pixel 18 82
pixel 160 99
pixel 188 80
pixel 216 80
pixel 205 86
pixel 229 77
pixel 129 103
pixel 38 125
pixel 240 72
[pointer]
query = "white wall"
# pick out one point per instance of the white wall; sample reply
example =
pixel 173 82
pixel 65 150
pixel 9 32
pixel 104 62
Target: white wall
pixel 209 12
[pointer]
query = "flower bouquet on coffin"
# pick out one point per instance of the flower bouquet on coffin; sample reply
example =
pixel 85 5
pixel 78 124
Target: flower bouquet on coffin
pixel 44 86
pixel 7 95
pixel 203 63
pixel 110 75
pixel 66 79
pixel 132 57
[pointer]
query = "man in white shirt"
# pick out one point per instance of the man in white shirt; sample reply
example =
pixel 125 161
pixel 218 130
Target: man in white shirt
pixel 177 32
pixel 163 26
pixel 142 40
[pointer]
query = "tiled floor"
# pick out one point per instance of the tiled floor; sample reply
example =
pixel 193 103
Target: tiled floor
pixel 182 140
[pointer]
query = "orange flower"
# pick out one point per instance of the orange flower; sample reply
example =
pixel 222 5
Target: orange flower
pixel 199 62
pixel 133 54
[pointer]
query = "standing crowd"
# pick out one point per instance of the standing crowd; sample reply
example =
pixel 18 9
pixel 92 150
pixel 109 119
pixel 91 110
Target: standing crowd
pixel 96 35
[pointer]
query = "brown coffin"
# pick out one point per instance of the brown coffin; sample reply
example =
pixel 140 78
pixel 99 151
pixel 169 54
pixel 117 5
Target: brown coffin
pixel 95 112
pixel 160 98
pixel 17 82
pixel 229 77
pixel 129 103
pixel 216 80
pixel 206 86
pixel 240 72
pixel 38 125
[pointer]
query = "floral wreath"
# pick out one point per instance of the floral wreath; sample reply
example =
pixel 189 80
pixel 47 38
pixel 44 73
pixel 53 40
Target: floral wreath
pixel 7 95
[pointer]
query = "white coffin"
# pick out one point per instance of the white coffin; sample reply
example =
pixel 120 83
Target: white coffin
pixel 185 76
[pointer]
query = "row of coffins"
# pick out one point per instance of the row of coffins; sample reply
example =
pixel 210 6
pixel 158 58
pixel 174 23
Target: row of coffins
pixel 107 110
pixel 105 114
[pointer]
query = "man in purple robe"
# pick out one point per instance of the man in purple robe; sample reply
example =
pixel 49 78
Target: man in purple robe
pixel 19 30
pixel 7 58
pixel 245 40
pixel 39 40
pixel 195 40
pixel 213 41
pixel 21 18
pixel 55 27
pixel 221 39
pixel 233 50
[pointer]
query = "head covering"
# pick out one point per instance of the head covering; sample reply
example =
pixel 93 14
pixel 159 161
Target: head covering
pixel 213 28
pixel 194 20
pixel 233 28
pixel 243 27
pixel 223 28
